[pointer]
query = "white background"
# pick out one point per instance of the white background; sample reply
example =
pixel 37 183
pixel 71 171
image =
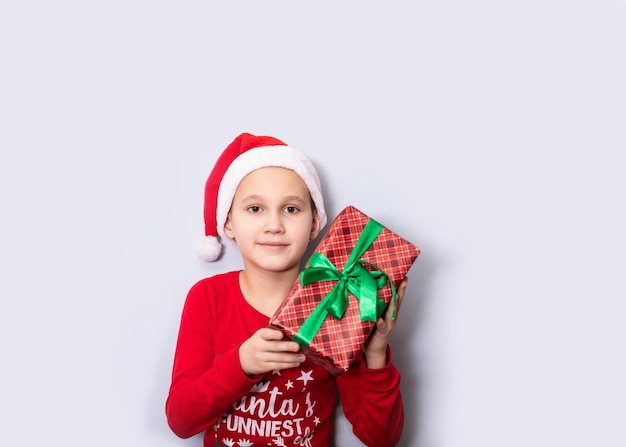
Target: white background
pixel 489 133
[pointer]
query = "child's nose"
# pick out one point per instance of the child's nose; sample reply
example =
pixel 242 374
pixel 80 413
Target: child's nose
pixel 274 222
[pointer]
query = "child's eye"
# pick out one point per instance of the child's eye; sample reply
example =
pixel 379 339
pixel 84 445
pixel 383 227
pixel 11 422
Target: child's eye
pixel 292 209
pixel 254 208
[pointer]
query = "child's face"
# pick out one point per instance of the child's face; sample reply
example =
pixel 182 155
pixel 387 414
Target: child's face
pixel 272 219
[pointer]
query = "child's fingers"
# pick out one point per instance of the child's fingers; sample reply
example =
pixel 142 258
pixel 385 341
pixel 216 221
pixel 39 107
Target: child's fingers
pixel 268 333
pixel 293 359
pixel 276 342
pixel 266 351
pixel 281 360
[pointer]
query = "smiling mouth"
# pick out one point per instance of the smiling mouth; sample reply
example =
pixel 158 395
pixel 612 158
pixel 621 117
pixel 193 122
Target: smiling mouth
pixel 272 244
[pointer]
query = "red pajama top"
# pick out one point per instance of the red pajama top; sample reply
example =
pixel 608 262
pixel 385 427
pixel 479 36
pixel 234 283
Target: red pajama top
pixel 291 407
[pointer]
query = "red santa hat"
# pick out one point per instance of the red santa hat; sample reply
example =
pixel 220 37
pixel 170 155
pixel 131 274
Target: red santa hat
pixel 244 155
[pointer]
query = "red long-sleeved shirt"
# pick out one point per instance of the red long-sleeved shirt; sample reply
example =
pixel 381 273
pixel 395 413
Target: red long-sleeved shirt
pixel 210 391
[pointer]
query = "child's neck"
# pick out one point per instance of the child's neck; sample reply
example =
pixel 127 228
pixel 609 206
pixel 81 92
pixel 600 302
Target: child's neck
pixel 265 291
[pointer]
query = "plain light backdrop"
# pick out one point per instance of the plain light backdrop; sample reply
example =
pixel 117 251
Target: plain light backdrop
pixel 490 133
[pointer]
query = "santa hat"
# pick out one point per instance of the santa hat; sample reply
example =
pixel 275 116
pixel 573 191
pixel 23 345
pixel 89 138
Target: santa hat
pixel 244 155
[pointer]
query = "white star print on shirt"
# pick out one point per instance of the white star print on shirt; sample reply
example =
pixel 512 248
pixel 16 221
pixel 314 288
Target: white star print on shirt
pixel 305 376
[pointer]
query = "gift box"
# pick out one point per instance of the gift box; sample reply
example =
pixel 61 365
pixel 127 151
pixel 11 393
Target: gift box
pixel 347 283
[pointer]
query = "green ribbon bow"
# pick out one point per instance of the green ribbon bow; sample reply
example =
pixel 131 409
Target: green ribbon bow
pixel 355 278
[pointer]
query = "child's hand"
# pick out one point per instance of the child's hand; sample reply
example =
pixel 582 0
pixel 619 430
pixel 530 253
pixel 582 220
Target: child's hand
pixel 375 348
pixel 266 351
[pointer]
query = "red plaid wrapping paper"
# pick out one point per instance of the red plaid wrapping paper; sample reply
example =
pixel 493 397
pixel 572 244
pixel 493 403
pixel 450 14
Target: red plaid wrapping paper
pixel 338 342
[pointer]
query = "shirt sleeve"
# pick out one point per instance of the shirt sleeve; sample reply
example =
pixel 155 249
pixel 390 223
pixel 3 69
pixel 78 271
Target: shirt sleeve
pixel 372 403
pixel 203 387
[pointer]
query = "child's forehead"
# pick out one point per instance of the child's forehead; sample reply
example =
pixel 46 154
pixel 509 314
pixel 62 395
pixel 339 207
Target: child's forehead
pixel 271 182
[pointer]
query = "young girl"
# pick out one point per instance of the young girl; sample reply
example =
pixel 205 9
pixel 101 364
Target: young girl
pixel 234 377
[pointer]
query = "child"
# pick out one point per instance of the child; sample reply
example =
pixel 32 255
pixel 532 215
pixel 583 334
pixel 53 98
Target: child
pixel 234 377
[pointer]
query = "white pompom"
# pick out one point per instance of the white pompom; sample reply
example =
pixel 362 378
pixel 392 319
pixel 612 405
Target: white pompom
pixel 208 248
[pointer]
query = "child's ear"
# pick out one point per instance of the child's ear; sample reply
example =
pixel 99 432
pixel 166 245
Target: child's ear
pixel 228 228
pixel 315 228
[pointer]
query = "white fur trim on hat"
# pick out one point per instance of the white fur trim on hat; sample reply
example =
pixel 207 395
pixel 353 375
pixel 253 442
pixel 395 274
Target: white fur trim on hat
pixel 280 156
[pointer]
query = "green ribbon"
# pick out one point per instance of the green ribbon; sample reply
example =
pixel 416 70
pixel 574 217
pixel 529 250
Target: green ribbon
pixel 363 283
